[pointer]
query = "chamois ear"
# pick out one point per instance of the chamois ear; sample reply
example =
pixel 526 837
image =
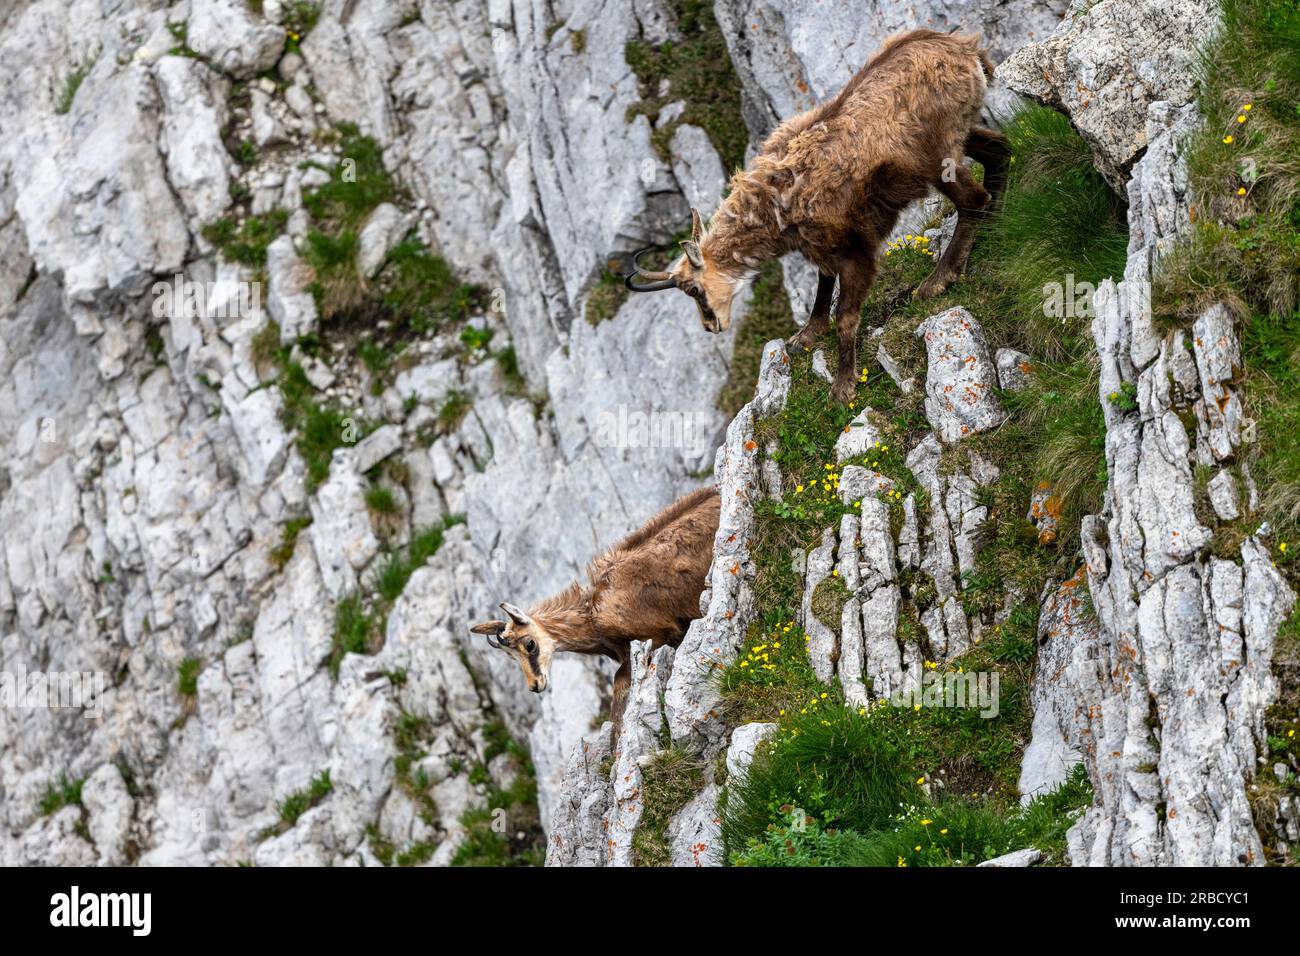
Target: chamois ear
pixel 516 615
pixel 697 225
pixel 489 627
pixel 692 251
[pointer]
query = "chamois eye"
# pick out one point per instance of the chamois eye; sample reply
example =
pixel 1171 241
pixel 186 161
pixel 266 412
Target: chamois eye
pixel 530 645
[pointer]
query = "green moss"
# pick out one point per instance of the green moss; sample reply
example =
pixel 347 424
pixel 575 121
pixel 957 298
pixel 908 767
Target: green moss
pixel 300 801
pixel 828 602
pixel 354 628
pixel 356 186
pixel 380 499
pixel 188 678
pixel 246 242
pixel 507 831
pixel 667 784
pixel 67 793
pixel 605 298
pixel 70 87
pixel 280 554
pixel 453 411
pixel 361 631
pixel 699 72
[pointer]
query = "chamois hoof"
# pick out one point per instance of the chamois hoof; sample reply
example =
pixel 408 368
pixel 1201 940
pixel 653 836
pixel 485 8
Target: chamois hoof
pixel 843 390
pixel 804 340
pixel 933 286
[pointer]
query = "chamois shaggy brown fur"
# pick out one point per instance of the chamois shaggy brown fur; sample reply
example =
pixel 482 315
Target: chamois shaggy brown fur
pixel 831 183
pixel 646 588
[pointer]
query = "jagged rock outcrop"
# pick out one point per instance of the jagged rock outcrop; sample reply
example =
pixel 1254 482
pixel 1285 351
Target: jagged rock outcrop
pixel 676 691
pixel 1165 695
pixel 1106 63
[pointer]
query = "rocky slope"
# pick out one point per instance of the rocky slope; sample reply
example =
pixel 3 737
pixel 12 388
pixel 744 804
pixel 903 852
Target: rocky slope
pixel 152 473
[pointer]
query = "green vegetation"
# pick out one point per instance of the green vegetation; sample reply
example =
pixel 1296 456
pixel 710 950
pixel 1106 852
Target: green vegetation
pixel 605 298
pixel 280 554
pixel 414 293
pixel 380 499
pixel 508 830
pixel 300 17
pixel 1059 218
pixel 188 676
pixel 180 33
pixel 70 87
pixel 359 624
pixel 318 428
pixel 453 410
pixel 671 780
pixel 1245 245
pixel 246 242
pixel 411 732
pixel 66 793
pixel 699 73
pixel 842 787
pixel 300 801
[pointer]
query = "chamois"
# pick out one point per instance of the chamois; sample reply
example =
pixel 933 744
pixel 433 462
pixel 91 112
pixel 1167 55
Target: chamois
pixel 831 182
pixel 646 588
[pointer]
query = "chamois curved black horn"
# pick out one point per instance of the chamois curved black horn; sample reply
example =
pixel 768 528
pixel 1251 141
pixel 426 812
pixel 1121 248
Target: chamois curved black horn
pixel 658 280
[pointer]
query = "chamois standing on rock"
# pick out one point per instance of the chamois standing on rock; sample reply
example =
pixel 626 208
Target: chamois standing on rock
pixel 831 182
pixel 646 588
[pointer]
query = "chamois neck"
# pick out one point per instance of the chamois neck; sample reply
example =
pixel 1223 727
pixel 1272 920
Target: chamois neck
pixel 748 229
pixel 566 617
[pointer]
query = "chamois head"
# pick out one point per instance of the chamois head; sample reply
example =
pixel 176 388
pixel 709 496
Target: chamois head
pixel 527 640
pixel 697 276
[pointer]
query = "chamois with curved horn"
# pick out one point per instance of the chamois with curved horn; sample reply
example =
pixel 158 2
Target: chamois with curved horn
pixel 646 588
pixel 831 183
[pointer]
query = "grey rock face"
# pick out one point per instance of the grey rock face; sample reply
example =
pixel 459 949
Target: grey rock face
pixel 1109 61
pixel 229 34
pixel 1068 633
pixel 1014 369
pixel 1026 857
pixel 1168 697
pixel 960 378
pixel 692 698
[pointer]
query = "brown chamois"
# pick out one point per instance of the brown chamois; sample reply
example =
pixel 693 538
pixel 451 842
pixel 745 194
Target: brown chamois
pixel 831 182
pixel 646 588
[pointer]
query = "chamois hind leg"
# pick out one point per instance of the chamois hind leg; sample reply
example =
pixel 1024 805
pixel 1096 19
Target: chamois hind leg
pixel 992 151
pixel 855 280
pixel 971 200
pixel 821 313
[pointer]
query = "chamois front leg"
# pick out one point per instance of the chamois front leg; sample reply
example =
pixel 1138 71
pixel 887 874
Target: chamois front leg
pixel 855 280
pixel 821 313
pixel 622 681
